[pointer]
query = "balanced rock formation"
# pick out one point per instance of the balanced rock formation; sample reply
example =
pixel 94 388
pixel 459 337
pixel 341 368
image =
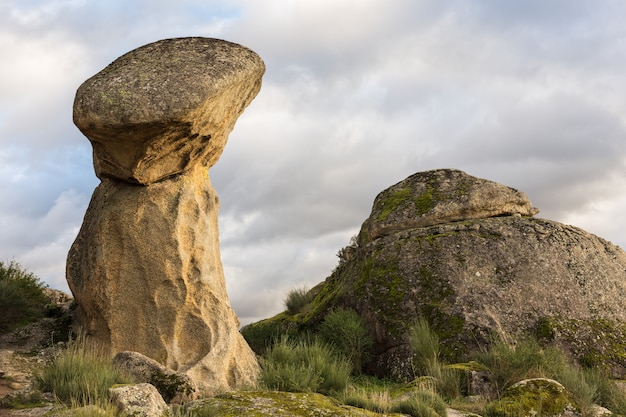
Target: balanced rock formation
pixel 145 268
pixel 465 254
pixel 442 196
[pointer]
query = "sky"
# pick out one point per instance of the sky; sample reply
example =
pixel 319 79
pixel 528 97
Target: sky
pixel 357 96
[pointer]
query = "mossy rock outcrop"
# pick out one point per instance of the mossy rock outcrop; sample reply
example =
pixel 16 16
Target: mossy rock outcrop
pixel 279 404
pixel 535 397
pixel 467 255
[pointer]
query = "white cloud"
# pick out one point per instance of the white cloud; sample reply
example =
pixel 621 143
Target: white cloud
pixel 357 96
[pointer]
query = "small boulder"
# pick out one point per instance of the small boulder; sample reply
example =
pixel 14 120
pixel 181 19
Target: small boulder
pixel 536 396
pixel 173 386
pixel 141 400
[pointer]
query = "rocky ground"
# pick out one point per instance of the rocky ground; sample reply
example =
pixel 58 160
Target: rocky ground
pixel 16 378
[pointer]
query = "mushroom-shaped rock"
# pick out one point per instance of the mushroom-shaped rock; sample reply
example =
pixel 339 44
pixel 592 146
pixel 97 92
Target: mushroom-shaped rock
pixel 442 196
pixel 165 107
pixel 145 268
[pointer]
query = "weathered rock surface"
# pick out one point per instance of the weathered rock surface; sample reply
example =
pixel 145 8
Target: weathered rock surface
pixel 141 400
pixel 281 404
pixel 475 278
pixel 536 396
pixel 145 268
pixel 441 196
pixel 166 107
pixel 173 386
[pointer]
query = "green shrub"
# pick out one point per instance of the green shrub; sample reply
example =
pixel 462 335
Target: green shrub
pixel 297 300
pixel 304 367
pixel 80 375
pixel 347 331
pixel 422 404
pixel 22 299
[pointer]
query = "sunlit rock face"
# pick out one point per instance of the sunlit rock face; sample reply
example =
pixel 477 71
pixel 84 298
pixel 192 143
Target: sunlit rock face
pixel 145 268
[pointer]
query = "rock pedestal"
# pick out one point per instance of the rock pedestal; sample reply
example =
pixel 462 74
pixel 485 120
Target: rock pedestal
pixel 145 268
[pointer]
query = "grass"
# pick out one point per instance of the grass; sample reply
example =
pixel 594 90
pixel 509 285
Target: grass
pixel 427 359
pixel 347 332
pixel 422 404
pixel 304 366
pixel 81 375
pixel 509 364
pixel 370 393
pixel 297 300
pixel 392 397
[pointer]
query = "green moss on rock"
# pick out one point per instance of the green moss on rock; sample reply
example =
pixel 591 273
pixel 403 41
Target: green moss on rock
pixel 279 404
pixel 534 397
pixel 392 202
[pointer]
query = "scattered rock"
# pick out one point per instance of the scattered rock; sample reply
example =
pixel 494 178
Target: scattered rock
pixel 145 268
pixel 42 333
pixel 141 400
pixel 53 329
pixel 173 386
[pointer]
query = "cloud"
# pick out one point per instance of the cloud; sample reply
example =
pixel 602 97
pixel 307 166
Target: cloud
pixel 357 96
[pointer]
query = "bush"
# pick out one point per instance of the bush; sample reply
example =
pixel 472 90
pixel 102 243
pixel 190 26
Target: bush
pixel 297 300
pixel 80 375
pixel 22 299
pixel 304 367
pixel 347 331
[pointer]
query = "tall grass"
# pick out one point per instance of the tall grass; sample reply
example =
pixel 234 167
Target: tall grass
pixel 367 395
pixel 425 345
pixel 347 331
pixel 297 300
pixel 80 375
pixel 382 397
pixel 304 366
pixel 422 404
pixel 509 364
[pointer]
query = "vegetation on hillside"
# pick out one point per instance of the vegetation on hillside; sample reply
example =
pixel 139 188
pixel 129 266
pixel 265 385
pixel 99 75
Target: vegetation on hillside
pixel 436 384
pixel 22 298
pixel 329 359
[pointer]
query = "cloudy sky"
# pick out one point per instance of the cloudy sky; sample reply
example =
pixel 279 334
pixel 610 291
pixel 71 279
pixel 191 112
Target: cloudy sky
pixel 358 95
